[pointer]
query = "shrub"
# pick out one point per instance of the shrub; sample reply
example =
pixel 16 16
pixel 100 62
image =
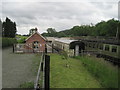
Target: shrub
pixel 8 42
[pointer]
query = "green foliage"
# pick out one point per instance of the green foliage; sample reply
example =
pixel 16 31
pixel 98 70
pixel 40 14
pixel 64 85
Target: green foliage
pixel 27 85
pixel 105 72
pixel 8 42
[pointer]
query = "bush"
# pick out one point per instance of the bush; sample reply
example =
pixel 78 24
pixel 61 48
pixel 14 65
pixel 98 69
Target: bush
pixel 8 42
pixel 103 71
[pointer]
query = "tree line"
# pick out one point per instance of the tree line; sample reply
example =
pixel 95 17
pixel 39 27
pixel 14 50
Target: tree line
pixel 104 28
pixel 8 28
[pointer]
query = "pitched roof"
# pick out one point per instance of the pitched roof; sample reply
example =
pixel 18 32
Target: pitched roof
pixel 35 33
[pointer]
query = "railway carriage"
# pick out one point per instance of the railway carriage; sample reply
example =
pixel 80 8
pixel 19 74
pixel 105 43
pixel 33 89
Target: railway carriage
pixel 72 47
pixel 107 49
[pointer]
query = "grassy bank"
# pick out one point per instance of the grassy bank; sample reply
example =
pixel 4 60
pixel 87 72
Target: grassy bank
pixel 102 70
pixel 74 75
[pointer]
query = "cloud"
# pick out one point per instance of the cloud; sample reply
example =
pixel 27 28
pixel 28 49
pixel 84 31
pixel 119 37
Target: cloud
pixel 59 15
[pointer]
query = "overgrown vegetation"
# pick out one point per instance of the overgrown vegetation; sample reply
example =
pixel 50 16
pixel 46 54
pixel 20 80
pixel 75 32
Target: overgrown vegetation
pixel 102 70
pixel 8 42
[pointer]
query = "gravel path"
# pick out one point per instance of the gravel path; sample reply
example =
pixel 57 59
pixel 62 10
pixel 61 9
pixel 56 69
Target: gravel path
pixel 16 68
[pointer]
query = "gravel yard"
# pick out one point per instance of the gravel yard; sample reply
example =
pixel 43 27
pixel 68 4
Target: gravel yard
pixel 17 68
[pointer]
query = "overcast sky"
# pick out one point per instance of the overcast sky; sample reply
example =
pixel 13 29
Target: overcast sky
pixel 58 15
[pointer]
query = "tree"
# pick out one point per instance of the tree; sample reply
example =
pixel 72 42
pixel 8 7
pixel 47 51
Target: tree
pixel 0 28
pixel 103 28
pixel 118 32
pixel 9 28
pixel 52 32
pixel 33 30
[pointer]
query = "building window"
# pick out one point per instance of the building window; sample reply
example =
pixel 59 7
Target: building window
pixel 35 44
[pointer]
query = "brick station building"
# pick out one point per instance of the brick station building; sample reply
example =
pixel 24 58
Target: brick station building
pixel 35 42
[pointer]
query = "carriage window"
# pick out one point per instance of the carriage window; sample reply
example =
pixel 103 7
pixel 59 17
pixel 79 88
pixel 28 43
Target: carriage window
pixel 114 49
pixel 101 46
pixel 89 44
pixel 107 47
pixel 93 45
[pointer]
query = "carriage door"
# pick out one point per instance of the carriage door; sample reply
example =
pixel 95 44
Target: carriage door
pixel 35 45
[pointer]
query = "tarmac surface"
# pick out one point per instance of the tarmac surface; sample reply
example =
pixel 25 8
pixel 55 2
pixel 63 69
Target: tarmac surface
pixel 16 68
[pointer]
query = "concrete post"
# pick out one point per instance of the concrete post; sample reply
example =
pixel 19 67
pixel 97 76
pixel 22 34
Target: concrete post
pixel 77 50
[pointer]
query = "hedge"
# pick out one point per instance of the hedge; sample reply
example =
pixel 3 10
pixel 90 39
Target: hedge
pixel 6 42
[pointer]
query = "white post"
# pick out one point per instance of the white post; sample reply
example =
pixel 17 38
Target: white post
pixel 77 50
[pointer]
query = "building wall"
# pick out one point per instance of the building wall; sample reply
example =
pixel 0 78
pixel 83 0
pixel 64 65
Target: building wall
pixel 38 38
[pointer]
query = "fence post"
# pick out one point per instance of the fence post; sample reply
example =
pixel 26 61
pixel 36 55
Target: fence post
pixel 42 66
pixel 13 48
pixel 47 72
pixel 45 49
